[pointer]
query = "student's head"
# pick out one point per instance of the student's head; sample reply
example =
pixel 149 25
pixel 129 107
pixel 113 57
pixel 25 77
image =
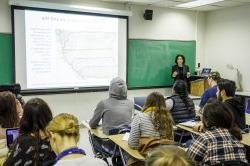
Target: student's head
pixel 180 88
pixel 118 88
pixel 180 59
pixel 168 156
pixel 63 129
pixel 155 99
pixel 161 117
pixel 213 77
pixel 217 114
pixel 36 117
pixel 8 110
pixel 226 88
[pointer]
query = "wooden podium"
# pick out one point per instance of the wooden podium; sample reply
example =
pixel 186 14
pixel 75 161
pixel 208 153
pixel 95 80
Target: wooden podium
pixel 197 87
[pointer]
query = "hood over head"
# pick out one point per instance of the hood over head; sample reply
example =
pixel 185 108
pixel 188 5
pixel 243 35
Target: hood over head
pixel 118 88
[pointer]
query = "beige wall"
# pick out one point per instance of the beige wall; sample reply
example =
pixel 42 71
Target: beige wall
pixel 227 41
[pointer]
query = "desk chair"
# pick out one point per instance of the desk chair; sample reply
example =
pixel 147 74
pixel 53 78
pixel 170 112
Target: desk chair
pixel 118 155
pixel 139 102
pixel 248 115
pixel 104 148
pixel 183 135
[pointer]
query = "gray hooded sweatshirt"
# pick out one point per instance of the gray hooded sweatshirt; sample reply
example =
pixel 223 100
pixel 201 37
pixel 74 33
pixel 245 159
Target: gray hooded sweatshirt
pixel 116 111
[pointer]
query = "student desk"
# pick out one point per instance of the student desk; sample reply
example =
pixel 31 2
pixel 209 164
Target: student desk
pixel 190 129
pixel 185 128
pixel 245 137
pixel 243 94
pixel 117 139
pixel 3 151
pixel 97 132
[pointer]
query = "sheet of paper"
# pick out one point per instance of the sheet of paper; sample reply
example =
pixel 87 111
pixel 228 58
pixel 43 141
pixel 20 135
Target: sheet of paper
pixel 125 137
pixel 189 123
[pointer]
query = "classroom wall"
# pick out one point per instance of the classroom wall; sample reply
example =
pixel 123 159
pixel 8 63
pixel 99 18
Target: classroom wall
pixel 167 24
pixel 227 41
pixel 5 17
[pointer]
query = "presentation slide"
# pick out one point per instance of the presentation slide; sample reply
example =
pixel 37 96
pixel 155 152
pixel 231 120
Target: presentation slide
pixel 62 50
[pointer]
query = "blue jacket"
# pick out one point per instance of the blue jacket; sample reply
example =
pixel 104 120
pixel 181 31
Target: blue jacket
pixel 209 93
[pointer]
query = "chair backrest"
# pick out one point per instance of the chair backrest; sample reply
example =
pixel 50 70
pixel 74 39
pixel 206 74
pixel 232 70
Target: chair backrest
pixel 139 102
pixel 248 106
pixel 120 130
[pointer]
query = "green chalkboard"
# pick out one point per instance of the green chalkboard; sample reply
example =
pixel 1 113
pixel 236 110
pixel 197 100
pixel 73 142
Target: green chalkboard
pixel 6 59
pixel 150 61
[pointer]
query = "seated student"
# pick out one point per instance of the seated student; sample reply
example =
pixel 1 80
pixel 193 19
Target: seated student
pixel 154 121
pixel 212 80
pixel 168 156
pixel 10 110
pixel 64 135
pixel 180 104
pixel 116 111
pixel 32 145
pixel 221 140
pixel 226 93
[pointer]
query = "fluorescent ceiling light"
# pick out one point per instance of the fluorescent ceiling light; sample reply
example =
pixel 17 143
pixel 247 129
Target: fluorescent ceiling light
pixel 197 3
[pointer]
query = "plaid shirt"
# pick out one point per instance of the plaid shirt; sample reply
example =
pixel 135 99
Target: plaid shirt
pixel 215 146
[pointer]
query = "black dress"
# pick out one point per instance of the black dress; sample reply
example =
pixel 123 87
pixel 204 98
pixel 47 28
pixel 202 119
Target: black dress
pixel 24 151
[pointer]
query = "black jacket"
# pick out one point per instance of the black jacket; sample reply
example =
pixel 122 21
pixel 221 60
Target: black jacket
pixel 238 109
pixel 182 112
pixel 181 75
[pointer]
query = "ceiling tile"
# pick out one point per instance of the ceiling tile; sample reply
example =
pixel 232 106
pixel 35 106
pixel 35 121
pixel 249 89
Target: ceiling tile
pixel 246 1
pixel 135 1
pixel 170 3
pixel 228 3
pixel 206 8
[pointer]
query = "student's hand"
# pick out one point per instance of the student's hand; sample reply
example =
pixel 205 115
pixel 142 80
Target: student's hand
pixel 175 74
pixel 199 127
pixel 188 74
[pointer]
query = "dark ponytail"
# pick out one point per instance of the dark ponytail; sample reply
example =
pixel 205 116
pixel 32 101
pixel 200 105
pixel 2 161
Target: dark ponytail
pixel 217 114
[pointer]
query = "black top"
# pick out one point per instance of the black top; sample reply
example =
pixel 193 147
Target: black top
pixel 182 72
pixel 23 152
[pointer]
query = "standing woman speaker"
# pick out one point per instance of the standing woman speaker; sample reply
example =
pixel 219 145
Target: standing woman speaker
pixel 180 71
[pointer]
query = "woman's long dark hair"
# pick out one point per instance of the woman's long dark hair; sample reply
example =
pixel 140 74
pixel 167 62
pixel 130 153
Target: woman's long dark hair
pixel 183 58
pixel 180 88
pixel 217 114
pixel 161 117
pixel 8 111
pixel 36 117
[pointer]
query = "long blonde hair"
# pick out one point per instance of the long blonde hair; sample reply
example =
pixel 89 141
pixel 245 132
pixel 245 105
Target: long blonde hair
pixel 65 125
pixel 168 156
pixel 161 117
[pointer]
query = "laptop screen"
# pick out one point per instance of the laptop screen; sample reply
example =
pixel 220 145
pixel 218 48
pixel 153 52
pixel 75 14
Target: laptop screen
pixel 205 71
